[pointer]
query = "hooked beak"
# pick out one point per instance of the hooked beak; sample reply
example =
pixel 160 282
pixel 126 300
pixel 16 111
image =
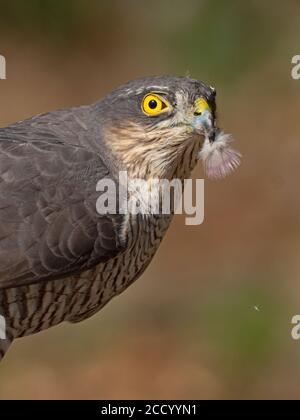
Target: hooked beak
pixel 203 124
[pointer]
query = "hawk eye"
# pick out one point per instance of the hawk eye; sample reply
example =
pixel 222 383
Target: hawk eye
pixel 154 104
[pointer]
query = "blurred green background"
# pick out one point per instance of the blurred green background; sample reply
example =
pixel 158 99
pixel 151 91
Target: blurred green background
pixel 211 317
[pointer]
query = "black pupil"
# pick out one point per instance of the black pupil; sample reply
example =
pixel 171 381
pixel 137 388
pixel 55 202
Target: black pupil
pixel 152 104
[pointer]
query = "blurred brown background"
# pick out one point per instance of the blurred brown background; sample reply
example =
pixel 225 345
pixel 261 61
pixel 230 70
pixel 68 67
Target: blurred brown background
pixel 188 328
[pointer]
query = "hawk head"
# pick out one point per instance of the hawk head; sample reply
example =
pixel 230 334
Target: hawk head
pixel 161 126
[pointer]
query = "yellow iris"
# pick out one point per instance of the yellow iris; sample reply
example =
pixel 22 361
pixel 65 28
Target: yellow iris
pixel 154 104
pixel 201 105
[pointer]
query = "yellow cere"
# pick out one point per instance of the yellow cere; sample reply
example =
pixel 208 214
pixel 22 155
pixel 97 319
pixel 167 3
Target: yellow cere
pixel 201 105
pixel 154 104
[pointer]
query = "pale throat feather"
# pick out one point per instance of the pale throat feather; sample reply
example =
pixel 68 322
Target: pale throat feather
pixel 164 153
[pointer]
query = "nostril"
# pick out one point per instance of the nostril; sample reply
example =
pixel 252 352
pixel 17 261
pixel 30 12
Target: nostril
pixel 212 136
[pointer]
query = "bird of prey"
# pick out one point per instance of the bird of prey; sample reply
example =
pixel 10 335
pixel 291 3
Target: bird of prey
pixel 60 260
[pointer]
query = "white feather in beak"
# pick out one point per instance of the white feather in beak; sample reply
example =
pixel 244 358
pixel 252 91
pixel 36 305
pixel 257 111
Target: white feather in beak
pixel 217 157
